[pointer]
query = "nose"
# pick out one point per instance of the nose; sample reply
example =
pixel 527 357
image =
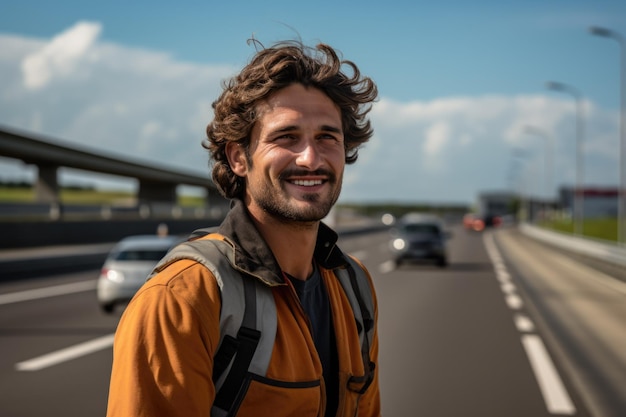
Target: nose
pixel 309 155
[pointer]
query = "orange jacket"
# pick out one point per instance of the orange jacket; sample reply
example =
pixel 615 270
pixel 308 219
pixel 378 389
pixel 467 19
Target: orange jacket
pixel 169 333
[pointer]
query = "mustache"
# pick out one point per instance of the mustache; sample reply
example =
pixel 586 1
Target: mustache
pixel 305 172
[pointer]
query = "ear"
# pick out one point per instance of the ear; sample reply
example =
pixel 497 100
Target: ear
pixel 237 158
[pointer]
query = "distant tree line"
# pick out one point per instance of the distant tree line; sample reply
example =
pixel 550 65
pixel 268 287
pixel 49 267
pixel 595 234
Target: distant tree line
pixel 28 184
pixel 366 209
pixel 15 184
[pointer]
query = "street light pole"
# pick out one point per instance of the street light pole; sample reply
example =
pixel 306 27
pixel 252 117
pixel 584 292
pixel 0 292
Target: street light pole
pixel 524 207
pixel 548 161
pixel 621 207
pixel 580 169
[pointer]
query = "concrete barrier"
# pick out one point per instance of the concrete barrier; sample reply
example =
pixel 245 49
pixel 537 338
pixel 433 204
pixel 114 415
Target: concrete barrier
pixel 605 252
pixel 46 233
pixel 49 253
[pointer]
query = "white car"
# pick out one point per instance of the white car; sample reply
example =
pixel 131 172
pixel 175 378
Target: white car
pixel 127 266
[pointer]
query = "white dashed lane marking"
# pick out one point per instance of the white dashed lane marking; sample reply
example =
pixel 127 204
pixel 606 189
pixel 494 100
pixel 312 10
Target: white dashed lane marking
pixel 552 388
pixel 38 293
pixel 554 392
pixel 67 354
pixel 386 267
pixel 523 323
pixel 62 355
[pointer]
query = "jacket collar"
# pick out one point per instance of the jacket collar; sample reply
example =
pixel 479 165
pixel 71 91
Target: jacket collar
pixel 252 255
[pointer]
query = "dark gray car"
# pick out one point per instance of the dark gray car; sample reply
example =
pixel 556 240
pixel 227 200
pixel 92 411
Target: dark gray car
pixel 420 237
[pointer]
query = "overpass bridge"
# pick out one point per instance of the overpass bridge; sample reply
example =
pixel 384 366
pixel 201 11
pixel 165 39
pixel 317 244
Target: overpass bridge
pixel 156 184
pixel 48 222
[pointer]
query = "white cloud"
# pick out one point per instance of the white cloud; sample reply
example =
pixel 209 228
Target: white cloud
pixel 130 102
pixel 61 56
pixel 146 105
pixel 451 148
pixel 436 138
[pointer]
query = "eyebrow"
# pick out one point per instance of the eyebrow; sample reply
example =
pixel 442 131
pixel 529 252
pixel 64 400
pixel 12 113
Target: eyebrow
pixel 333 129
pixel 324 128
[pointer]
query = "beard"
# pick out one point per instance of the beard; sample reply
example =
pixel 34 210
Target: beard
pixel 277 202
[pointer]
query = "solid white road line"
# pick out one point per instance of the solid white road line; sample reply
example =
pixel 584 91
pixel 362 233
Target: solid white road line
pixel 66 354
pixel 35 294
pixel 554 393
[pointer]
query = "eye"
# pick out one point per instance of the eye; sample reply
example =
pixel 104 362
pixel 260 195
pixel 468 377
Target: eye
pixel 285 137
pixel 329 137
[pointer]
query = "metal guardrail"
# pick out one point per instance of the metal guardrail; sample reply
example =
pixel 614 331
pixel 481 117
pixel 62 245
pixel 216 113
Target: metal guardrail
pixel 602 251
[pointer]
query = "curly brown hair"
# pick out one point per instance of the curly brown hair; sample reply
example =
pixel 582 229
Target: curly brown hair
pixel 270 70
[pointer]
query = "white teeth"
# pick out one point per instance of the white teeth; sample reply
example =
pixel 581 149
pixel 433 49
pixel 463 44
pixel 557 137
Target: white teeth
pixel 308 183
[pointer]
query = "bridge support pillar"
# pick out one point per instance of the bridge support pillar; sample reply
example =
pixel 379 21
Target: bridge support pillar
pixel 47 186
pixel 218 205
pixel 157 192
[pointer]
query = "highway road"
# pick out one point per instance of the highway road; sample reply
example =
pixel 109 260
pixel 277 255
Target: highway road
pixel 509 328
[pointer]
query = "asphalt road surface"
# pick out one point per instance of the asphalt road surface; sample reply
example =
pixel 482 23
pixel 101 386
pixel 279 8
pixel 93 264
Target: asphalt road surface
pixel 509 328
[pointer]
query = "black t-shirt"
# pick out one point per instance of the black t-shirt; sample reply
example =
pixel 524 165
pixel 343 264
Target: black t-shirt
pixel 315 303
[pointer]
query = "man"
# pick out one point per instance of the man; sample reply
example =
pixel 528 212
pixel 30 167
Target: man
pixel 283 131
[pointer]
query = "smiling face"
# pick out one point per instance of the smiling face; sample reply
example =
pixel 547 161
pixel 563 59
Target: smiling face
pixel 297 156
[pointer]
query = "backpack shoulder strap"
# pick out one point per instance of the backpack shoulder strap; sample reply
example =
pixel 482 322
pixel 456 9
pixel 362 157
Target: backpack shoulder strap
pixel 357 287
pixel 248 318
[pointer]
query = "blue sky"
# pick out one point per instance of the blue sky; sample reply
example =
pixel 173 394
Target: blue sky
pixel 458 82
